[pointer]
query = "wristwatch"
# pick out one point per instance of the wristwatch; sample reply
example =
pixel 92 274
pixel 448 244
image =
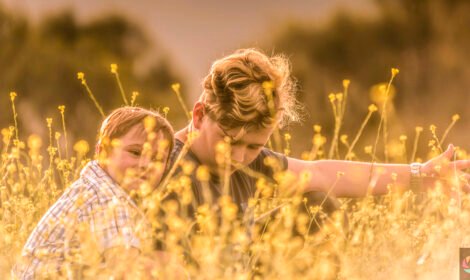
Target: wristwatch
pixel 416 179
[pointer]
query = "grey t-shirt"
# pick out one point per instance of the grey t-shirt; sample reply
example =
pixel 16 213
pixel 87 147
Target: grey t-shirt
pixel 242 186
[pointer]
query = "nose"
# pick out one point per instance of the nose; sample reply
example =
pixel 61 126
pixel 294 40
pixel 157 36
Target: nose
pixel 144 161
pixel 238 153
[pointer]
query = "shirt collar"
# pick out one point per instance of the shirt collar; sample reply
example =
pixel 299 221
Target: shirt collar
pixel 94 173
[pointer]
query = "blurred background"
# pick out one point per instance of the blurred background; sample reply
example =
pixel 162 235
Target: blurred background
pixel 157 43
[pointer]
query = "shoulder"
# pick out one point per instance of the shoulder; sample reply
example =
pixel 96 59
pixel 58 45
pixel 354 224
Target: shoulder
pixel 77 196
pixel 78 190
pixel 66 209
pixel 177 148
pixel 98 186
pixel 269 159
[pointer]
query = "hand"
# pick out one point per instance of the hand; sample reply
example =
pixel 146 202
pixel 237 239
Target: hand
pixel 444 168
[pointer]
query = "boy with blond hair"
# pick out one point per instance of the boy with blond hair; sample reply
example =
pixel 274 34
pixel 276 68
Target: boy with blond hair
pixel 246 96
pixel 96 222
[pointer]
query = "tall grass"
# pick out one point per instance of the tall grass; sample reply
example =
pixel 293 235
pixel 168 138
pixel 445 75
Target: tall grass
pixel 387 237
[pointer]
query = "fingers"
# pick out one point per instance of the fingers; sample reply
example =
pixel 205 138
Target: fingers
pixel 460 164
pixel 466 188
pixel 464 180
pixel 448 154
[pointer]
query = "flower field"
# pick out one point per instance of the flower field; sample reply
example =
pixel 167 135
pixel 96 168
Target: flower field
pixel 400 235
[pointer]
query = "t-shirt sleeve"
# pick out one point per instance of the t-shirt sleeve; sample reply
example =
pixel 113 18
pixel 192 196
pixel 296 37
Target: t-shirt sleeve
pixel 174 154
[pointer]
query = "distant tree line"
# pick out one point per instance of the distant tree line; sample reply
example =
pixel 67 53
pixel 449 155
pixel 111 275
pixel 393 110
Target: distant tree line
pixel 40 62
pixel 427 40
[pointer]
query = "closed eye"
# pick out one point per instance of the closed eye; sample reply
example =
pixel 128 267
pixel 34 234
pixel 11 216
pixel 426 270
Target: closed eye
pixel 254 147
pixel 136 153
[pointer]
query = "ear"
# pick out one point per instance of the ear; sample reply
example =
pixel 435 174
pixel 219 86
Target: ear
pixel 198 114
pixel 101 151
pixel 98 148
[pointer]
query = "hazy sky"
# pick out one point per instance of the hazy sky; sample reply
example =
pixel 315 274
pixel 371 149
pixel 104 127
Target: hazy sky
pixel 194 33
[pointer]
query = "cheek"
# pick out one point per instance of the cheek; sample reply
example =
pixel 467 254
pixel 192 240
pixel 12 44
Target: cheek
pixel 159 174
pixel 251 155
pixel 211 143
pixel 249 158
pixel 126 161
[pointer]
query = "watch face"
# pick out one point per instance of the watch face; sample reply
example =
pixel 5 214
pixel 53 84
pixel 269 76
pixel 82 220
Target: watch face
pixel 415 168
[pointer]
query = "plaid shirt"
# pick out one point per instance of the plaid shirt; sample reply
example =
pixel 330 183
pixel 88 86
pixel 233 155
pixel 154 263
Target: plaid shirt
pixel 92 215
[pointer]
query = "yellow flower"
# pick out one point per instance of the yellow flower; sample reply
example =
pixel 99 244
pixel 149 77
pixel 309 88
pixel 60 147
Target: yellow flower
pixel 372 108
pixel 162 145
pixel 202 173
pixel 81 147
pixel 461 154
pixel 188 168
pixel 80 75
pixel 229 211
pixel 166 110
pixel 379 93
pixel 34 142
pixel 318 140
pixel 176 87
pixel 403 137
pixel 268 85
pixel 383 88
pixel 395 71
pixel 419 129
pixel 332 97
pixel 222 147
pixel 339 96
pixel 80 201
pixel 49 122
pixel 134 97
pixel 114 68
pixel 317 128
pixel 20 144
pixel 287 136
pixel 61 108
pixel 13 95
pixel 145 189
pixel 455 117
pixel 115 143
pixel 149 123
pixel 305 177
pixel 346 83
pixel 305 155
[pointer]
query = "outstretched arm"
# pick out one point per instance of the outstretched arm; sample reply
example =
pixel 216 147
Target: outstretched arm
pixel 356 179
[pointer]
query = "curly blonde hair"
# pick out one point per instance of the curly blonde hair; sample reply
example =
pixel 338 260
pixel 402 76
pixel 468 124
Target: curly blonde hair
pixel 235 91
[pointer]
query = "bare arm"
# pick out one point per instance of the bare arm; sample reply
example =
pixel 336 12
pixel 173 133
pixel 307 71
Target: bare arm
pixel 355 179
pixel 349 178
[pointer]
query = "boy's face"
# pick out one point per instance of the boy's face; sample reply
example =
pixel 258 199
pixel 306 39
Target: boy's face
pixel 244 148
pixel 134 158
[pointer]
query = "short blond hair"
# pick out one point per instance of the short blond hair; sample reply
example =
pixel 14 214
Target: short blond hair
pixel 121 120
pixel 234 91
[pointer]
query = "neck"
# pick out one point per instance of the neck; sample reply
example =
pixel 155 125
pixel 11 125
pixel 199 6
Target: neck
pixel 198 147
pixel 182 134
